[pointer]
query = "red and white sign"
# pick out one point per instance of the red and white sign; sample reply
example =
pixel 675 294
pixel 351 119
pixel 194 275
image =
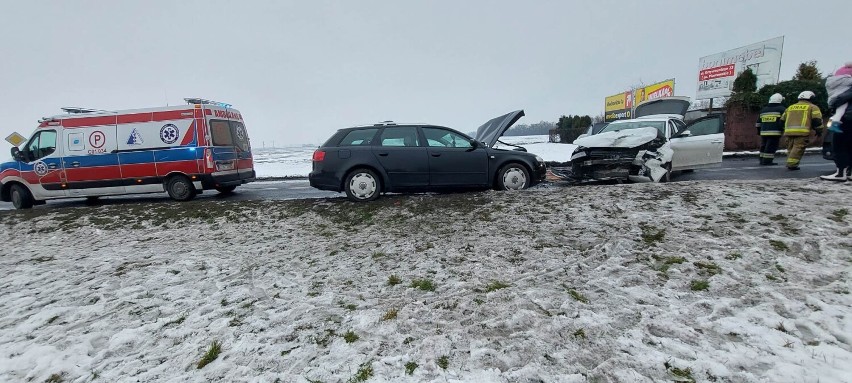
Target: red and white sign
pixel 717 72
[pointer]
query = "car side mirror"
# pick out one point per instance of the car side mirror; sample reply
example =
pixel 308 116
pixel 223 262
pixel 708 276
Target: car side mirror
pixel 685 133
pixel 16 153
pixel 473 145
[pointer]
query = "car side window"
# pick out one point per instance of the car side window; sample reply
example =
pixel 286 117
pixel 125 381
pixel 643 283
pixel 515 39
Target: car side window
pixel 399 136
pixel 442 138
pixel 42 145
pixel 359 137
pixel 705 127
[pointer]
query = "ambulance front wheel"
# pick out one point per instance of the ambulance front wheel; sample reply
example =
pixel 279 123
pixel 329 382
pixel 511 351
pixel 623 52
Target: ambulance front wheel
pixel 180 188
pixel 21 197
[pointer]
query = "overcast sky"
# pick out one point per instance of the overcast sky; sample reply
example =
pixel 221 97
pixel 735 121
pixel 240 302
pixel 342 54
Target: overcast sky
pixel 298 70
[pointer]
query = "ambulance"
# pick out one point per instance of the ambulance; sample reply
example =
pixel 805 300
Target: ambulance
pixel 181 150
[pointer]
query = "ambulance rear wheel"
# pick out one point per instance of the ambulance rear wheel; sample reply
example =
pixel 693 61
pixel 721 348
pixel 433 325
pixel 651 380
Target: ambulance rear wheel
pixel 226 189
pixel 180 188
pixel 21 197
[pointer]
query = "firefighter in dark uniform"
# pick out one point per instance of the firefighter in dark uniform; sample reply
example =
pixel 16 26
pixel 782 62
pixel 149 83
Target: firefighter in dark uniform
pixel 770 127
pixel 799 120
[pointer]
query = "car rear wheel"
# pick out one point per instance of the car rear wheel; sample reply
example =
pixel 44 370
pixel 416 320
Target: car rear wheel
pixel 180 188
pixel 226 189
pixel 363 185
pixel 21 197
pixel 513 177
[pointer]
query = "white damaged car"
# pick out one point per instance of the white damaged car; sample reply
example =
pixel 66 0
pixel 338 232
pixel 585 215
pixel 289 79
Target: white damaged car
pixel 648 148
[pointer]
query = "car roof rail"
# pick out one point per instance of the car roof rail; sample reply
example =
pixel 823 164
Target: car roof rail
pixel 385 123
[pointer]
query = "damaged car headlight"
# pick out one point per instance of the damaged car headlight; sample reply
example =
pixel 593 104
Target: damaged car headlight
pixel 539 159
pixel 579 153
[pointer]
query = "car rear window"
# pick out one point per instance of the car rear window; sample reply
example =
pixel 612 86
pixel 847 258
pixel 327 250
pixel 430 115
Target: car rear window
pixel 359 137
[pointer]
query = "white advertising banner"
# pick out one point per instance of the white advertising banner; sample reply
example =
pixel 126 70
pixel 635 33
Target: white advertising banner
pixel 716 73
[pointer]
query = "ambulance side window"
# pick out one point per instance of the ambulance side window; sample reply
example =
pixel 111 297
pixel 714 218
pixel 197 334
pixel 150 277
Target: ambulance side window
pixel 75 142
pixel 41 145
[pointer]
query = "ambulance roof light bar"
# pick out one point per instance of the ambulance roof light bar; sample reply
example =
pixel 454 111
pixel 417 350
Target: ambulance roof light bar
pixel 77 110
pixel 206 102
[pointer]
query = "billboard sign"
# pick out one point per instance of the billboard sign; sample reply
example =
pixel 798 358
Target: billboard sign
pixel 654 91
pixel 620 106
pixel 716 73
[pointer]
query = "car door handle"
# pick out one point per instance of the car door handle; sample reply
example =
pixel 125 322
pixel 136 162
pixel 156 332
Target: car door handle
pixel 435 154
pixel 52 166
pixel 717 142
pixel 384 154
pixel 75 164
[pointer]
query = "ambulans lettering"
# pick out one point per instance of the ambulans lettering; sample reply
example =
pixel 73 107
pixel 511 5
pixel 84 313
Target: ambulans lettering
pixel 227 114
pixel 169 133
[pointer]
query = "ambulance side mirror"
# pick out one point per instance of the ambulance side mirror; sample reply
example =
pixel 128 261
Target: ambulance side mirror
pixel 16 153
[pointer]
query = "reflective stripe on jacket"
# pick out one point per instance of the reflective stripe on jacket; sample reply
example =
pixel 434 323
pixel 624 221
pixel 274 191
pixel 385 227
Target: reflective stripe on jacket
pixel 769 121
pixel 800 118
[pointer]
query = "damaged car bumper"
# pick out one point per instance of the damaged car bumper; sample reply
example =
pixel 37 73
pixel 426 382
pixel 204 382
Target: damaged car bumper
pixel 619 164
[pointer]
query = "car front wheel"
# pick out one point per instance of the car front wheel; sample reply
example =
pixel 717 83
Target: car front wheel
pixel 668 176
pixel 513 177
pixel 362 185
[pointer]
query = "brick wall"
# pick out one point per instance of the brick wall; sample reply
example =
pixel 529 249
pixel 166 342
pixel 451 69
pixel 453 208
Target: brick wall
pixel 740 133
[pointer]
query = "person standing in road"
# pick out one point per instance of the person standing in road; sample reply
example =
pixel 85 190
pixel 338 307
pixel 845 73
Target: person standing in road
pixel 839 89
pixel 799 120
pixel 770 128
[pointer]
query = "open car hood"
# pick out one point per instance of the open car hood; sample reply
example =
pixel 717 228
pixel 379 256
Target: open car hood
pixel 629 138
pixel 491 131
pixel 666 105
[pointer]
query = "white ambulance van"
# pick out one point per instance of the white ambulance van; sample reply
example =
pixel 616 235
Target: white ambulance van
pixel 180 150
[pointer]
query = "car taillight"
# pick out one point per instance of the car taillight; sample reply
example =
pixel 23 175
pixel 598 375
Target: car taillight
pixel 208 159
pixel 319 155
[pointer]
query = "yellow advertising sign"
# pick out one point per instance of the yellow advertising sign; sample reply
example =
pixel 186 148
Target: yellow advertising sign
pixel 618 106
pixel 16 139
pixel 654 91
pixel 617 102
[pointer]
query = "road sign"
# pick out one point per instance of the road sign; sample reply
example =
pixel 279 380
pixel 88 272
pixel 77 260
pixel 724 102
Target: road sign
pixel 16 139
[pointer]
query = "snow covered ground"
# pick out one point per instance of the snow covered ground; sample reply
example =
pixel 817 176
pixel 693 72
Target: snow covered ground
pixel 723 282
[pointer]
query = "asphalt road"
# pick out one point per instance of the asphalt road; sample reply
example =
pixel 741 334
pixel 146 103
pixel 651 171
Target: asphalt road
pixel 732 169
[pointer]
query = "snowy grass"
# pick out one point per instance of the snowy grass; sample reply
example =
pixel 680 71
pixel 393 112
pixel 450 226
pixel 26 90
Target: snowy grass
pixel 580 284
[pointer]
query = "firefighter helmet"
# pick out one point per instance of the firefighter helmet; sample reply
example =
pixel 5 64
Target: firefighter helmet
pixel 806 95
pixel 776 98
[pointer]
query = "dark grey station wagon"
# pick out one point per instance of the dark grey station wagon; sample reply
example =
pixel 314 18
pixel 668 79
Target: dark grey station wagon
pixel 366 161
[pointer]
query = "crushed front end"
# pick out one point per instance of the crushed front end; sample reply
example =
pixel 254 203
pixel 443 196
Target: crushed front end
pixel 647 163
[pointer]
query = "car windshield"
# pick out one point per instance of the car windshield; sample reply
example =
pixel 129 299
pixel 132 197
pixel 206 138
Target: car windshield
pixel 616 126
